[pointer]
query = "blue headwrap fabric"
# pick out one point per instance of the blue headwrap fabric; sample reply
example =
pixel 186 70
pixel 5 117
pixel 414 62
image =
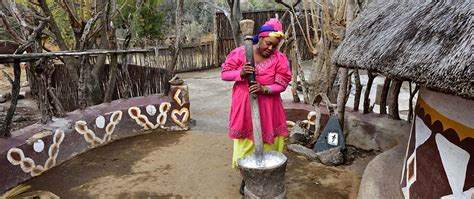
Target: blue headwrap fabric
pixel 262 29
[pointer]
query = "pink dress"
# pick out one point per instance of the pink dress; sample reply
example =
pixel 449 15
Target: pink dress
pixel 275 73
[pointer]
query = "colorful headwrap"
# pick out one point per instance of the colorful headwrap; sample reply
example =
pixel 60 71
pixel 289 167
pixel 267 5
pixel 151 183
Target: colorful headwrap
pixel 271 28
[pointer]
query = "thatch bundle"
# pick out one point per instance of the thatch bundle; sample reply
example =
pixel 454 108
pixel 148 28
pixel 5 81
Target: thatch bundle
pixel 428 42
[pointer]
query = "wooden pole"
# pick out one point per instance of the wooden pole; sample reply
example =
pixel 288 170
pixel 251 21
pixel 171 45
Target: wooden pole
pixel 15 93
pixel 246 26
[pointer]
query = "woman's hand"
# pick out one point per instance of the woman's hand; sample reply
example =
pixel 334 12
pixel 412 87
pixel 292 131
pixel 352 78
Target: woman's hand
pixel 255 87
pixel 246 71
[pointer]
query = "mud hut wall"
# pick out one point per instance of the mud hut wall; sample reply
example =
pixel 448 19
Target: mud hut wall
pixel 441 145
pixel 225 41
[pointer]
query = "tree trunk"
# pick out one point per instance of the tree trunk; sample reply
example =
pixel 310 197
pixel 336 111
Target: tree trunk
pixel 410 102
pixel 236 16
pixel 349 88
pixel 295 62
pixel 367 92
pixel 393 100
pixel 358 90
pixel 98 70
pixel 341 96
pixel 109 93
pixel 383 95
pixel 43 99
pixel 126 81
pixel 56 103
pixel 171 69
pixel 83 78
pixel 14 102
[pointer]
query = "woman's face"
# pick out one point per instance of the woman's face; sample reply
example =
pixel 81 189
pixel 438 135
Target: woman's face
pixel 267 45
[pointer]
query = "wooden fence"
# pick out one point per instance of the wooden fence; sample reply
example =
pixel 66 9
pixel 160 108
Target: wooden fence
pixel 143 81
pixel 225 41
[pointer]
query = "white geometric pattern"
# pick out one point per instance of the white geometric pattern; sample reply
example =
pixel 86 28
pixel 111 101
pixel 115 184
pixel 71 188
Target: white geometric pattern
pixel 455 161
pixel 422 132
pixel 469 194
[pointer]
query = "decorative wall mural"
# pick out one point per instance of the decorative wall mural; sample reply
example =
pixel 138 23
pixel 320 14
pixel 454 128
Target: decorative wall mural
pixel 178 99
pixel 89 135
pixel 142 120
pixel 439 162
pixel 180 117
pixel 16 157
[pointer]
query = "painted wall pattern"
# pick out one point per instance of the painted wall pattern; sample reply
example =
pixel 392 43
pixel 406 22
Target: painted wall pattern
pixel 37 149
pixel 439 162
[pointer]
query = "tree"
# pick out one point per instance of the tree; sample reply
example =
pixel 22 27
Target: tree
pixel 147 19
pixel 28 37
pixel 176 48
pixel 233 14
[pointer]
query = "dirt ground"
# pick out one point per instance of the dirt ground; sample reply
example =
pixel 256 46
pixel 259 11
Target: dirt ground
pixel 180 165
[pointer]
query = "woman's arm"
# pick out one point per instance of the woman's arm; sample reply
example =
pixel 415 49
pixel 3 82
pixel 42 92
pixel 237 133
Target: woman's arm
pixel 232 66
pixel 282 76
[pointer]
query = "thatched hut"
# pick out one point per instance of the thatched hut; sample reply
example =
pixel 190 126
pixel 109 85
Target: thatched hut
pixel 430 43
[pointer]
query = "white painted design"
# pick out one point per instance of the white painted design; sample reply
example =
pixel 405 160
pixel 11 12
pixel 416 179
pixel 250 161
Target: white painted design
pixel 411 160
pixel 16 156
pixel 405 193
pixel 176 97
pixel 422 132
pixel 100 122
pixel 455 161
pixel 332 138
pixel 38 146
pixel 469 194
pixel 19 154
pixel 116 117
pixel 406 152
pixel 163 116
pixel 183 112
pixel 151 110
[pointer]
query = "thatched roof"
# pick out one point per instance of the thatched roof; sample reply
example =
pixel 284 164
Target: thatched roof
pixel 427 42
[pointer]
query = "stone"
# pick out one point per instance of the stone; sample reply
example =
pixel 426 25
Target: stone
pixel 5 97
pixel 2 109
pixel 298 134
pixel 302 150
pixel 331 137
pixel 331 157
pixel 369 137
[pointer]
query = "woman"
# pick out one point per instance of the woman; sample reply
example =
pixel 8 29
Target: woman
pixel 272 77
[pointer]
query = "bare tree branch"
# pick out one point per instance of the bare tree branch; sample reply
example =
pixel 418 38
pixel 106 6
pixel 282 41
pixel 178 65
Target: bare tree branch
pixel 32 38
pixel 19 17
pixel 222 9
pixel 71 9
pixel 53 26
pixel 9 29
pixel 87 28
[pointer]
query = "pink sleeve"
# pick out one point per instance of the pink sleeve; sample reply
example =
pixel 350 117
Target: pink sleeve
pixel 232 65
pixel 282 75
